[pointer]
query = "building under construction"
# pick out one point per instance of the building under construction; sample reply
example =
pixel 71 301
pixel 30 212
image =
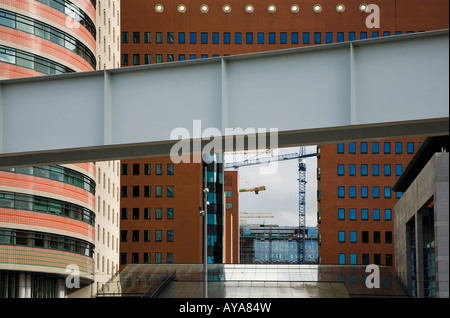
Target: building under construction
pixel 274 244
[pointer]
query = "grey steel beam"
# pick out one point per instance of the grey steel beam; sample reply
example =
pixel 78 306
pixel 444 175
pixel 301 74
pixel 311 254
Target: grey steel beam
pixel 378 88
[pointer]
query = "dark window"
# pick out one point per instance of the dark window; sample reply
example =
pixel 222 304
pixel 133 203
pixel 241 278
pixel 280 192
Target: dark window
pixel 146 258
pixel 124 191
pixel 169 213
pixel 388 259
pixel 136 59
pixel 159 168
pixel 170 191
pixel 123 258
pixel 388 237
pixel 135 191
pixel 159 191
pixel 124 214
pixel 135 236
pixel 147 37
pixel 147 213
pixel 124 59
pixel 169 235
pixel 124 169
pixel 135 258
pixel 377 259
pixel 124 37
pixel 159 37
pixel 147 169
pixel 135 169
pixel 124 236
pixel 136 36
pixel 158 213
pixel 147 59
pixel 376 237
pixel 147 191
pixel 170 38
pixel 146 235
pixel 170 167
pixel 135 213
pixel 365 259
pixel 158 235
pixel 365 236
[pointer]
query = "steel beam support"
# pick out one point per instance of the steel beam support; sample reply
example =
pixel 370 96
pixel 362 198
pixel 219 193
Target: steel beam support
pixel 378 88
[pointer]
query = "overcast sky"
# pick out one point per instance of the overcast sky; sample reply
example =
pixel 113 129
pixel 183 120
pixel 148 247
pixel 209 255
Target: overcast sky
pixel 281 195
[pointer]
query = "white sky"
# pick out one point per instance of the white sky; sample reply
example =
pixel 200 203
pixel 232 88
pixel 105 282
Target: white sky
pixel 281 195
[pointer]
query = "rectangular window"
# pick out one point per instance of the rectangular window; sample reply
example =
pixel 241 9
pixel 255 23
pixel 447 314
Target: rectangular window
pixel 376 214
pixel 352 214
pixel 364 192
pixel 410 147
pixel 181 38
pixel 272 38
pixel 135 213
pixel 376 237
pixel 158 236
pixel 136 169
pixel 148 169
pixel 353 236
pixel 135 191
pixel 341 214
pixel 170 38
pixel 147 213
pixel 147 236
pixel 294 37
pixel 124 191
pixel 365 259
pixel 398 148
pixel 363 35
pixel 305 37
pixel 352 170
pixel 388 214
pixel 169 257
pixel 226 38
pixel 341 259
pixel 364 170
pixel 353 259
pixel 352 147
pixel 387 192
pixel 123 258
pixel 375 169
pixel 398 169
pixel 159 191
pixel 377 259
pixel 340 147
pixel 204 56
pixel 388 259
pixel 169 235
pixel 340 36
pixel 159 37
pixel 124 214
pixel 146 258
pixel 159 58
pixel 170 167
pixel 249 37
pixel 124 37
pixel 341 236
pixel 375 34
pixel 317 37
pixel 136 59
pixel 376 192
pixel 351 36
pixel 363 146
pixel 135 236
pixel 170 58
pixel 386 33
pixel 375 147
pixel 260 37
pixel 158 258
pixel 158 213
pixel 329 37
pixel 147 37
pixel 136 37
pixel 229 206
pixel 170 191
pixel 159 169
pixel 387 170
pixel 124 236
pixel 283 38
pixel 364 214
pixel 341 170
pixel 215 38
pixel 365 236
pixel 352 191
pixel 388 237
pixel 147 59
pixel 124 169
pixel 181 57
pixel 387 147
pixel 237 38
pixel 147 191
pixel 124 59
pixel 204 38
pixel 341 192
pixel 193 38
pixel 170 213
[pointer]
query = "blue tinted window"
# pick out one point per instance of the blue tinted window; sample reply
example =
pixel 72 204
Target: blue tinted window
pixel 215 38
pixel 340 36
pixel 181 57
pixel 398 169
pixel 364 192
pixel 375 169
pixel 353 259
pixel 388 214
pixel 181 38
pixel 387 192
pixel 353 236
pixel 364 170
pixel 352 192
pixel 226 38
pixel 249 38
pixel 376 214
pixel 375 147
pixel 283 38
pixel 374 34
pixel 398 32
pixel 341 214
pixel 398 147
pixel 305 37
pixel 341 236
pixel 341 192
pixel 352 170
pixel 386 33
pixel 193 56
pixel 342 259
pixel 352 214
pixel 376 192
pixel 272 38
pixel 204 56
pixel 260 38
pixel 363 147
pixel 341 170
pixel 363 35
pixel 193 38
pixel 329 37
pixel 364 214
pixel 387 170
pixel 317 38
pixel 294 38
pixel 340 147
pixel 204 36
pixel 398 194
pixel 410 147
pixel 351 36
pixel 238 38
pixel 352 147
pixel 387 147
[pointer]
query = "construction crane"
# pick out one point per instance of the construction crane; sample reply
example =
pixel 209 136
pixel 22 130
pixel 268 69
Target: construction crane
pixel 256 190
pixel 255 215
pixel 300 156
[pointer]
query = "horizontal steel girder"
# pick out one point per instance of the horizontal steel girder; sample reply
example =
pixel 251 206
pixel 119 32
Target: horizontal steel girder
pixel 377 88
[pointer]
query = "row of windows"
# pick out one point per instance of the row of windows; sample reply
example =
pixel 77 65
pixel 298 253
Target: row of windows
pixel 58 173
pixel 28 202
pixel 365 259
pixel 146 258
pixel 364 214
pixel 250 38
pixel 365 237
pixel 45 240
pixel 399 147
pixel 31 61
pixel 364 169
pixel 48 32
pixel 148 191
pixel 387 192
pixel 146 235
pixel 73 12
pixel 148 169
pixel 147 213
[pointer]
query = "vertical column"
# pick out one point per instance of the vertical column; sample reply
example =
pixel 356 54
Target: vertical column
pixel 107 109
pixel 419 254
pixel 61 292
pixel 352 85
